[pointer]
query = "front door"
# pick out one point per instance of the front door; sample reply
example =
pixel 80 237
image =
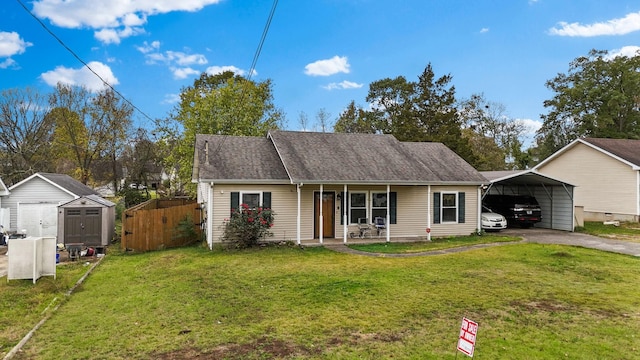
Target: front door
pixel 328 204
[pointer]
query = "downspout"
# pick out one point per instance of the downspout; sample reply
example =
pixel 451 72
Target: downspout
pixel 321 218
pixel 429 212
pixel 638 195
pixel 388 220
pixel 210 216
pixel 344 214
pixel 298 215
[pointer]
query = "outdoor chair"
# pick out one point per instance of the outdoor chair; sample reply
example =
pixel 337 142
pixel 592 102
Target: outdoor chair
pixel 379 223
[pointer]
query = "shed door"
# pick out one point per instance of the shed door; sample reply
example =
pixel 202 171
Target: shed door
pixel 83 225
pixel 38 219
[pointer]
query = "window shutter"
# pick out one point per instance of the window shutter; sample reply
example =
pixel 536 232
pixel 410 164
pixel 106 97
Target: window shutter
pixel 343 200
pixel 266 200
pixel 436 208
pixel 393 201
pixel 461 207
pixel 235 201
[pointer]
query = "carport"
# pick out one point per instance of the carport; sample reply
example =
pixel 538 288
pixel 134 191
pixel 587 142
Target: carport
pixel 554 196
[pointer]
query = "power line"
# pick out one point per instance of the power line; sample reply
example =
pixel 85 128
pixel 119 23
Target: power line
pixel 82 61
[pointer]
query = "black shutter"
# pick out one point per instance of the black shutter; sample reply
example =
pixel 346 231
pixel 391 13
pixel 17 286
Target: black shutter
pixel 266 200
pixel 436 208
pixel 461 207
pixel 235 201
pixel 393 206
pixel 343 200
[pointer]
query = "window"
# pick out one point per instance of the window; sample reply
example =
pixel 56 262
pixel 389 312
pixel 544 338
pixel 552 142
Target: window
pixel 449 207
pixel 253 200
pixel 357 206
pixel 379 205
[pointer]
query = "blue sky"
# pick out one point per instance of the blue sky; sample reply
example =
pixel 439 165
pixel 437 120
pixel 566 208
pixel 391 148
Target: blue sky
pixel 319 54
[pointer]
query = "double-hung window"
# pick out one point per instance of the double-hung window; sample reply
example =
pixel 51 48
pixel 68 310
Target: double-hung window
pixel 252 199
pixel 379 205
pixel 449 207
pixel 357 207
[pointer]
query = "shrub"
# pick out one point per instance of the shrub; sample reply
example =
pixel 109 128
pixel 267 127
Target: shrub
pixel 247 226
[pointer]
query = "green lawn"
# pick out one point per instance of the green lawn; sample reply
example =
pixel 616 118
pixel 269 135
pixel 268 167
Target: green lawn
pixel 531 302
pixel 435 244
pixel 627 231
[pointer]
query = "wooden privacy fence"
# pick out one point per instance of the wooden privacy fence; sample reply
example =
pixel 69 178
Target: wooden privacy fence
pixel 158 224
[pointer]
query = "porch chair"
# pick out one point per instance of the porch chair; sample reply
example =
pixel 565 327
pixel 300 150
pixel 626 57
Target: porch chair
pixel 379 223
pixel 364 227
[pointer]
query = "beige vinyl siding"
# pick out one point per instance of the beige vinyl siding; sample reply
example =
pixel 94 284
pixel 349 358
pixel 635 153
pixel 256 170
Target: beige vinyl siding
pixel 411 211
pixel 603 184
pixel 471 212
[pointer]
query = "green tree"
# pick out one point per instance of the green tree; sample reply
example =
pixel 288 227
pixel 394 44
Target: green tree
pixel 25 134
pixel 88 127
pixel 599 96
pixel 354 119
pixel 225 104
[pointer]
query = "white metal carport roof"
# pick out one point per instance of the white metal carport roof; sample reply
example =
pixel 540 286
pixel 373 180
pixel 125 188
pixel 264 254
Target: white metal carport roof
pixel 554 196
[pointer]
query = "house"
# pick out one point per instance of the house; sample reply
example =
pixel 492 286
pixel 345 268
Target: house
pixel 4 212
pixel 326 185
pixel 606 173
pixel 33 202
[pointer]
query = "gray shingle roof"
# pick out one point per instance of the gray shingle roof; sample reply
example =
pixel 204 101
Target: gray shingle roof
pixel 626 149
pixel 70 184
pixel 237 158
pixel 330 158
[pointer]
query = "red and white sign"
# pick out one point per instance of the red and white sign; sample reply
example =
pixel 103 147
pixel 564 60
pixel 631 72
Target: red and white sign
pixel 467 339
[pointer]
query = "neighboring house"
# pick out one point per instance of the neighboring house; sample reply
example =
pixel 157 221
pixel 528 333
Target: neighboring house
pixel 33 202
pixel 4 211
pixel 418 189
pixel 606 173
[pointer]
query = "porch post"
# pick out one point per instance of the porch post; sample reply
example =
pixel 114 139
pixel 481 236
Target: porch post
pixel 429 212
pixel 321 218
pixel 387 223
pixel 298 215
pixel 209 226
pixel 345 226
pixel 479 220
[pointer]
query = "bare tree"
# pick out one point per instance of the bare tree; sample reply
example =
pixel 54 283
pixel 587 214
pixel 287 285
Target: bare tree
pixel 322 117
pixel 25 134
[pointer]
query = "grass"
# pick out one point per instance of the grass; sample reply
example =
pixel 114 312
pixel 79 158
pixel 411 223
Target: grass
pixel 435 244
pixel 530 300
pixel 628 231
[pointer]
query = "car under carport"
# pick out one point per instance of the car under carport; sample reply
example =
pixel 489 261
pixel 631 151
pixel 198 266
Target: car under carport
pixel 554 196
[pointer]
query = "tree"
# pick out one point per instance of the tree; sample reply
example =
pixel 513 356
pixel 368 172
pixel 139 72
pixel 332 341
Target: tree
pixel 225 104
pixel 489 119
pixel 25 134
pixel 87 127
pixel 599 96
pixel 322 116
pixel 354 119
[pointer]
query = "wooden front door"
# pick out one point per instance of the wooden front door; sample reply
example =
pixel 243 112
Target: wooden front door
pixel 328 204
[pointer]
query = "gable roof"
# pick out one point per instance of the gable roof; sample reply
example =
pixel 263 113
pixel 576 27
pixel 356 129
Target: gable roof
pixel 624 150
pixel 306 157
pixel 3 189
pixel 62 181
pixel 521 177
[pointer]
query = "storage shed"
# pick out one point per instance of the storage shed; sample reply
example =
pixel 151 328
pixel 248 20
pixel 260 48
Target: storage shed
pixel 88 220
pixel 554 196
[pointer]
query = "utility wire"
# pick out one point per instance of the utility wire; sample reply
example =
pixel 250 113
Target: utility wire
pixel 254 61
pixel 82 61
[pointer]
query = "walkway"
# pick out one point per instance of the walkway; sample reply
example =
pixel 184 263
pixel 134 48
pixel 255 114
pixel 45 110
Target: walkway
pixel 538 236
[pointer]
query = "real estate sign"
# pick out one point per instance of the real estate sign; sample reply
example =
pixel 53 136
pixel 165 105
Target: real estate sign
pixel 467 338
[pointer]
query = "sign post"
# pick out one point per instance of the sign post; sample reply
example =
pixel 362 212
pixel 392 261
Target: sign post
pixel 467 338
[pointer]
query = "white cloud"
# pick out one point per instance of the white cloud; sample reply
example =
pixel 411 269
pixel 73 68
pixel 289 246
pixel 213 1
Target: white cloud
pixel 82 76
pixel 12 44
pixel 183 73
pixel 147 48
pixel 484 30
pixel 343 85
pixel 337 64
pixel 213 70
pixel 7 63
pixel 122 17
pixel 171 99
pixel 621 26
pixel 628 51
pixel 530 126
